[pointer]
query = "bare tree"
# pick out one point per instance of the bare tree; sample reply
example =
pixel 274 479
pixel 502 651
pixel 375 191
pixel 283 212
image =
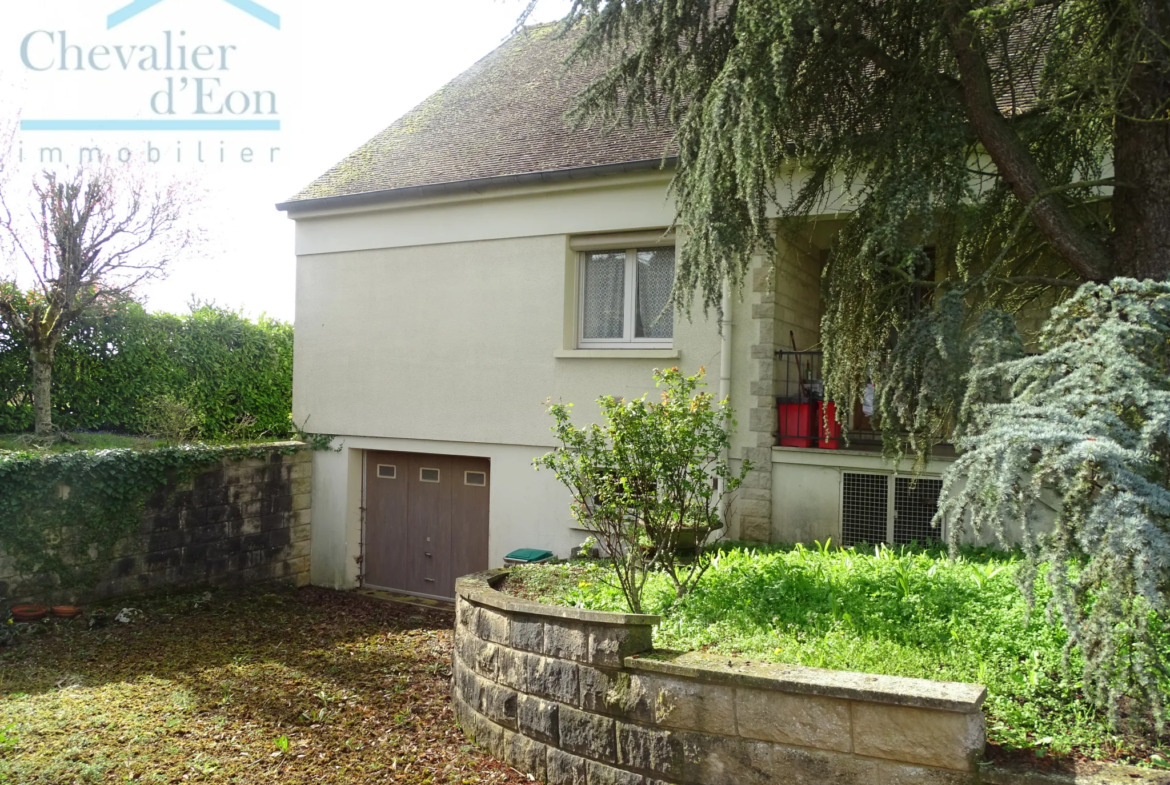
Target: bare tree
pixel 83 235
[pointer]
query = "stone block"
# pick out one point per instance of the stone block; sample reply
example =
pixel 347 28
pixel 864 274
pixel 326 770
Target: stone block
pixel 639 747
pixel 765 311
pixel 946 739
pixel 752 508
pixel 566 640
pixel 303 517
pixel 753 492
pixel 500 704
pixel 550 678
pixel 603 691
pixel 511 670
pixel 468 685
pixel 600 774
pixel 755 529
pixel 491 625
pixel 689 704
pixel 303 485
pixel 525 754
pixel 487 660
pixel 564 769
pixel 465 615
pixel 302 501
pixel 718 759
pixel 587 734
pixel 526 633
pixel 609 646
pixel 301 471
pixel 537 718
pixel 906 774
pixel 762 420
pixel 803 720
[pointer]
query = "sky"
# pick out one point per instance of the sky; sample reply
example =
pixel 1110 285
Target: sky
pixel 331 73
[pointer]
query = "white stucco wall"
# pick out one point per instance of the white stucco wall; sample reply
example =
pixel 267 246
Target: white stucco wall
pixel 806 488
pixel 408 340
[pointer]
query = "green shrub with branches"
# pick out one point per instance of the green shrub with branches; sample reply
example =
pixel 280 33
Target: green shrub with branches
pixel 650 482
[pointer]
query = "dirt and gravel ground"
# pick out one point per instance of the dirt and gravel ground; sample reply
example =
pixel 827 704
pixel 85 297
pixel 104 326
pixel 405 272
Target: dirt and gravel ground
pixel 309 686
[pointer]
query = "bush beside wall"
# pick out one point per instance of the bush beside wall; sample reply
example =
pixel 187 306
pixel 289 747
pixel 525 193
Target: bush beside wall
pixel 221 364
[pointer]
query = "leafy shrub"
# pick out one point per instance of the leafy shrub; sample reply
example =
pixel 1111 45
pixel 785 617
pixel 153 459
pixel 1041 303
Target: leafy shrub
pixel 650 482
pixel 169 419
pixel 235 373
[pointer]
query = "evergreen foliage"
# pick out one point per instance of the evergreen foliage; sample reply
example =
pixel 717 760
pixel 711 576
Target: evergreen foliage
pixel 1083 427
pixel 982 129
pixel 235 374
pixel 985 158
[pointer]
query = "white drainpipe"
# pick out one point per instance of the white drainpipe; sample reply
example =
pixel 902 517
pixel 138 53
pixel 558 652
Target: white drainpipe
pixel 725 324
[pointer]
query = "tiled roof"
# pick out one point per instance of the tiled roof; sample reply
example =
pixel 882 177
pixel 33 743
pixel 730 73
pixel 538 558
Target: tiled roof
pixel 503 116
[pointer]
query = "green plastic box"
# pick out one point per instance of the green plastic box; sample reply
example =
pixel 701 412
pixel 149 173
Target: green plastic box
pixel 528 556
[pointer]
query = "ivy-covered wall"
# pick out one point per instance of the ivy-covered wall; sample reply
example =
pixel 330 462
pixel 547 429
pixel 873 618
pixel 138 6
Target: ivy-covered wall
pixel 122 523
pixel 226 367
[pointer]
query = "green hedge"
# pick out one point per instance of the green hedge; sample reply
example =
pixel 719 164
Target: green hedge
pixel 223 365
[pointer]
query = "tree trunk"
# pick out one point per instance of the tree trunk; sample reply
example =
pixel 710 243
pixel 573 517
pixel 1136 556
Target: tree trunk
pixel 1141 158
pixel 42 372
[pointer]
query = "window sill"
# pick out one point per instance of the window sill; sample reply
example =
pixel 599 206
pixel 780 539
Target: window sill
pixel 616 354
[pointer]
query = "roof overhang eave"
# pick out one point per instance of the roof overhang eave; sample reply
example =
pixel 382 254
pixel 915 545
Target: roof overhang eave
pixel 473 186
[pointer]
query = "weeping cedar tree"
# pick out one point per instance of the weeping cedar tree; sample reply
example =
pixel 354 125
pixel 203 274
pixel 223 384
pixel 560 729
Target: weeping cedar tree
pixel 1026 141
pixel 1087 419
pixel 86 237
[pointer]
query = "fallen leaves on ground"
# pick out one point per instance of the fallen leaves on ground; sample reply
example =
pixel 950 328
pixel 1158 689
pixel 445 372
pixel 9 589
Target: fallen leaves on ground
pixel 312 686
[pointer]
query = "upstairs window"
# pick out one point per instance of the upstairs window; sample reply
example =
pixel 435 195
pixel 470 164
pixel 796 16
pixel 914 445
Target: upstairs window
pixel 625 299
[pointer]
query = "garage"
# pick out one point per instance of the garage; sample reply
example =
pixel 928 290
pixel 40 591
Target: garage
pixel 426 521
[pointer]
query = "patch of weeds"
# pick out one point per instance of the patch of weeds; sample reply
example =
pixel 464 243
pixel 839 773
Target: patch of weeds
pixel 907 611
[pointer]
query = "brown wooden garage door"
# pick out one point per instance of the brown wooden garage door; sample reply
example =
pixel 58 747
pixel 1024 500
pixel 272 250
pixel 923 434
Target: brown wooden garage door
pixel 426 520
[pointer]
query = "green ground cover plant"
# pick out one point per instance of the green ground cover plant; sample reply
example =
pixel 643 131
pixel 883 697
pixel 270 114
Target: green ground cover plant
pixel 904 612
pixel 309 687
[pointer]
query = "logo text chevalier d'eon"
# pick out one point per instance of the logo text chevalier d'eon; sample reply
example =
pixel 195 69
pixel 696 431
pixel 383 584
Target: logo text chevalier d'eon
pixel 195 93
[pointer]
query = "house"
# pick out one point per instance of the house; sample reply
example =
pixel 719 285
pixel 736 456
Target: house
pixel 477 258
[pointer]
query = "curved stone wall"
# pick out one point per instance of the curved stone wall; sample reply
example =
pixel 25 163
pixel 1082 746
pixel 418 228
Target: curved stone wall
pixel 577 697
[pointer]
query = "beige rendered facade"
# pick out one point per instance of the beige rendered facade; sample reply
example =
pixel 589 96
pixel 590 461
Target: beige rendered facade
pixel 441 325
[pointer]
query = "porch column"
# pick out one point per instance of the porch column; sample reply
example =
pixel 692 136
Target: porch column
pixel 754 501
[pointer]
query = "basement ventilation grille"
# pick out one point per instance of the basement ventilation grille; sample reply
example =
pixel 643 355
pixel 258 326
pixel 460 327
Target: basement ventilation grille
pixel 915 504
pixel 864 508
pixel 867 515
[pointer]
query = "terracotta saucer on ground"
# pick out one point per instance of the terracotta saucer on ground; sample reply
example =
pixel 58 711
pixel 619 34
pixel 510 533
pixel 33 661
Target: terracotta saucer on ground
pixel 66 611
pixel 26 613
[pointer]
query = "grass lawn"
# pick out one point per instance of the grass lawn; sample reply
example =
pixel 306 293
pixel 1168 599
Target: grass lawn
pixel 18 442
pixel 909 612
pixel 311 686
pixel 81 440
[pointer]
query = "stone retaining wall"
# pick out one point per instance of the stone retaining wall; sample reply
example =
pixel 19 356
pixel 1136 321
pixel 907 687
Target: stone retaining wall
pixel 577 697
pixel 238 522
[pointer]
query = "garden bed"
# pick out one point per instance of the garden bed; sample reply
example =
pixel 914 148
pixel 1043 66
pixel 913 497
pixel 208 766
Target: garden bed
pixel 909 612
pixel 312 686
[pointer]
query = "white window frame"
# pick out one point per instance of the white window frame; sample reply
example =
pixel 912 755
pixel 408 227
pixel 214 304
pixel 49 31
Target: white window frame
pixel 627 341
